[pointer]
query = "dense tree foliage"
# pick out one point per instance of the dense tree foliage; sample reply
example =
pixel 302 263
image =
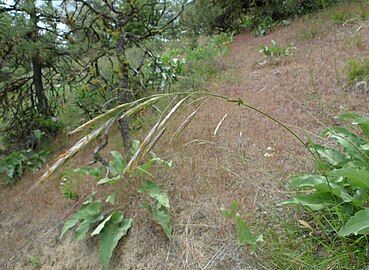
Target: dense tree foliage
pixel 226 15
pixel 73 45
pixel 35 63
pixel 108 30
pixel 103 52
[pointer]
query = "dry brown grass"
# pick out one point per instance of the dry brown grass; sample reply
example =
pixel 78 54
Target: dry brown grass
pixel 305 90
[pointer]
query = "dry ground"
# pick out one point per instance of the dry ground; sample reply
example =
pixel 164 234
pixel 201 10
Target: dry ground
pixel 304 90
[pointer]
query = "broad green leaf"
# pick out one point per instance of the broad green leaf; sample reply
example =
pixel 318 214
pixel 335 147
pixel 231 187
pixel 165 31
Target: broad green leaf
pixel 348 116
pixel 101 226
pixel 111 181
pixel 154 192
pixel 331 155
pixel 362 122
pixel 69 224
pixel 360 198
pixel 86 225
pixel 89 171
pixel 306 181
pixel 117 165
pixel 110 235
pixel 87 216
pixel 357 178
pixel 316 201
pixel 358 224
pixel 351 142
pixel 244 236
pixel 161 215
pixel 334 189
pixel 111 199
pixel 232 213
pixel 115 218
pixel 364 125
pixel 144 168
pixel 365 147
pixel 321 184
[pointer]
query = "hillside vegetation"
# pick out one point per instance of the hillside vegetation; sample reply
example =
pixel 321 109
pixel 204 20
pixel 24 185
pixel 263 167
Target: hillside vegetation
pixel 184 135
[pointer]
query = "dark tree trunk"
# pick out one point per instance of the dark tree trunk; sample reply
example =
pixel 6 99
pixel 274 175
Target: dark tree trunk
pixel 42 102
pixel 124 85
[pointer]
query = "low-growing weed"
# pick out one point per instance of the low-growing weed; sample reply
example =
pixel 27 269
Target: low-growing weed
pixel 34 261
pixel 244 235
pixel 275 51
pixel 358 70
pixel 68 188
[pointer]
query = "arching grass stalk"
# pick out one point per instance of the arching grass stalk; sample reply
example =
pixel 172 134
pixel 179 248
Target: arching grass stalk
pixel 241 103
pixel 103 121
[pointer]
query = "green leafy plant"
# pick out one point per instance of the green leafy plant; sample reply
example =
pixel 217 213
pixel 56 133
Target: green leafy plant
pixel 342 187
pixel 244 235
pixel 265 26
pixel 221 39
pixel 159 209
pixel 112 228
pixel 15 164
pixel 84 219
pixel 118 165
pixel 276 51
pixel 165 70
pixel 47 125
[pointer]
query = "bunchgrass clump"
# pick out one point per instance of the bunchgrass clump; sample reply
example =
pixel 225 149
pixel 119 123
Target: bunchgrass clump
pixel 358 70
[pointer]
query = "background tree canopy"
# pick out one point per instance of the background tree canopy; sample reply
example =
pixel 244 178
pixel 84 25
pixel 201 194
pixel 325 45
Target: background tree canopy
pixel 85 48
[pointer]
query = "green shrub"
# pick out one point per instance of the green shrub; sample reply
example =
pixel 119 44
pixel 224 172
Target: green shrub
pixel 266 25
pixel 166 70
pixel 15 164
pixel 208 16
pixel 49 125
